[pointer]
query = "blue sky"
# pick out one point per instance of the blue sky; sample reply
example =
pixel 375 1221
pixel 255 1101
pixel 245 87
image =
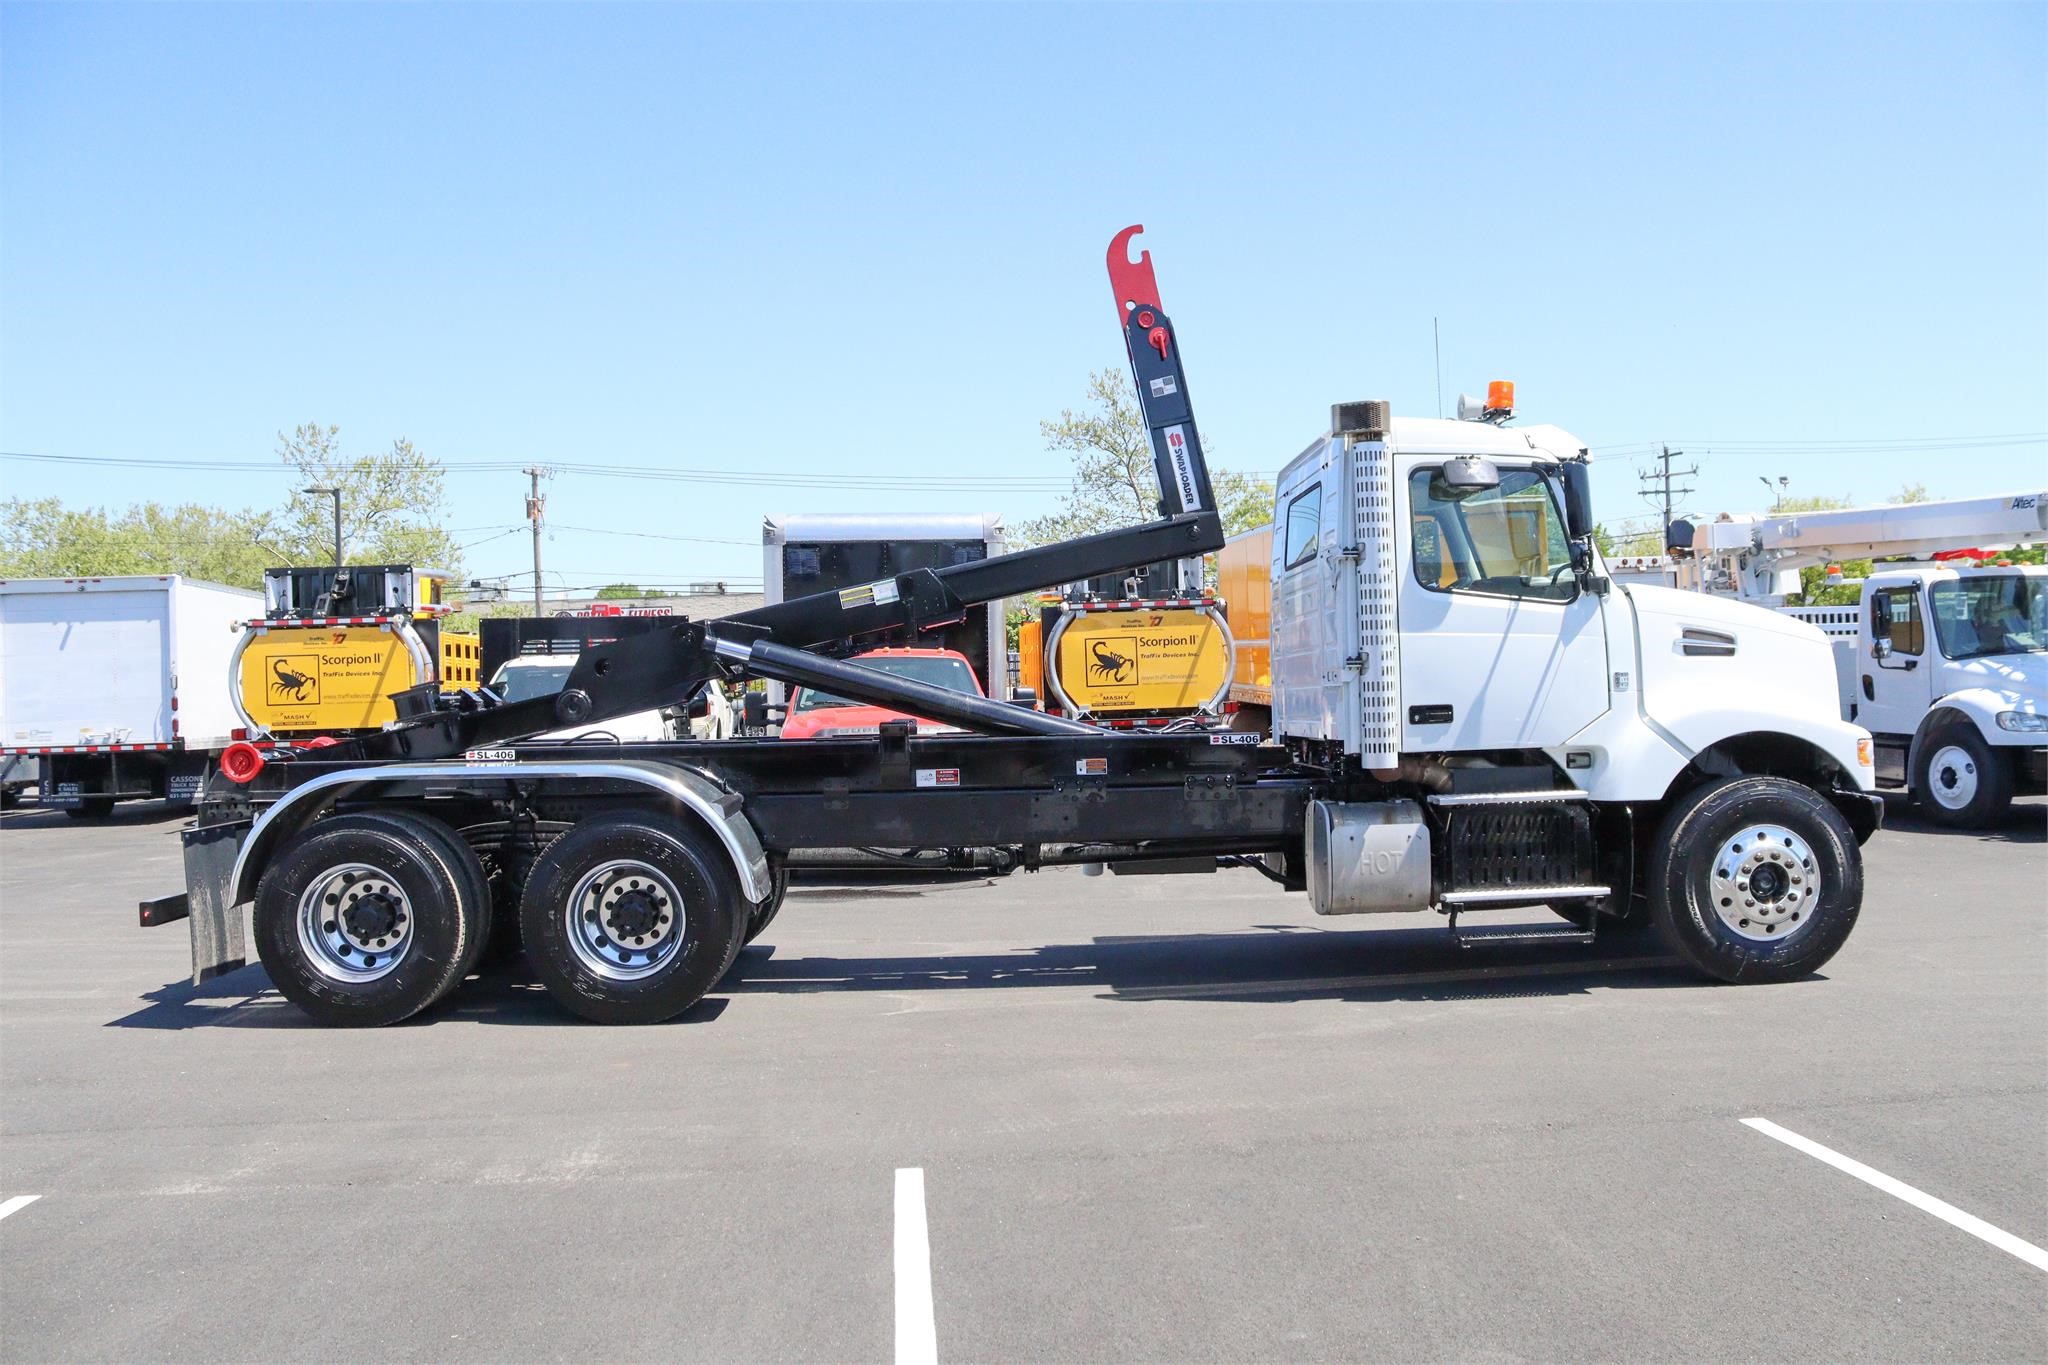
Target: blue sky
pixel 861 240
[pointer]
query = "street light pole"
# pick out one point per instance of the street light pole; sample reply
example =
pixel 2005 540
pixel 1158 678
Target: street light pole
pixel 334 493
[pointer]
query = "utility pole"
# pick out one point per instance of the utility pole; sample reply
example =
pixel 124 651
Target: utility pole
pixel 536 507
pixel 1657 489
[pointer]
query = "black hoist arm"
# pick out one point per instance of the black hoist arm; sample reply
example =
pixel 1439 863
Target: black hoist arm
pixel 665 667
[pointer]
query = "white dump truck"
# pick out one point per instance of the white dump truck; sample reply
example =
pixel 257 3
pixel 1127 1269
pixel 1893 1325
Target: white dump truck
pixel 1467 714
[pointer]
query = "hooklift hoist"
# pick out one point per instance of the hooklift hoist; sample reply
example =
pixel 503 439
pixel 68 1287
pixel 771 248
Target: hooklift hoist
pixel 634 872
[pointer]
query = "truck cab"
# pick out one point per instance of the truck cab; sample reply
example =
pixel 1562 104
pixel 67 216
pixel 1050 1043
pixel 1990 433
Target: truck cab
pixel 1433 603
pixel 1948 674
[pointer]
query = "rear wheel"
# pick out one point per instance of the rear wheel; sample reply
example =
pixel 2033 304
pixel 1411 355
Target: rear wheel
pixel 362 921
pixel 91 808
pixel 1959 780
pixel 1755 879
pixel 627 922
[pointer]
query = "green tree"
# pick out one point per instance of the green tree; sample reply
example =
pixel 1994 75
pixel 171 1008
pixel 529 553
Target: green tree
pixel 392 503
pixel 1813 502
pixel 42 538
pixel 1114 483
pixel 611 592
pixel 391 512
pixel 1912 492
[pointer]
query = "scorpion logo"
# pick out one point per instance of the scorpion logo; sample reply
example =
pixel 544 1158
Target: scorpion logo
pixel 286 682
pixel 1105 664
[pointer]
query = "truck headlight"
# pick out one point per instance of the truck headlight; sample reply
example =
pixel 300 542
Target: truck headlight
pixel 2022 720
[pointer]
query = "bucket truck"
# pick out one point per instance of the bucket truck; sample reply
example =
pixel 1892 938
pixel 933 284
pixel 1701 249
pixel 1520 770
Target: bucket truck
pixel 1942 659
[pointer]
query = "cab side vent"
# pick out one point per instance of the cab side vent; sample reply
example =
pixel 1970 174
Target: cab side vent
pixel 1713 644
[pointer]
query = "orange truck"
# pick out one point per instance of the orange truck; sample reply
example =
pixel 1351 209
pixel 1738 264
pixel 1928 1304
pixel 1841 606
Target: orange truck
pixel 1244 580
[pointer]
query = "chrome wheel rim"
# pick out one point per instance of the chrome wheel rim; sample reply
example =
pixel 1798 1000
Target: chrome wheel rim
pixel 355 923
pixel 625 920
pixel 1952 777
pixel 1765 883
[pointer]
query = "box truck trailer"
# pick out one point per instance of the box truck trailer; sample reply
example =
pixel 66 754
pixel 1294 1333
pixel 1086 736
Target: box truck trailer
pixel 118 689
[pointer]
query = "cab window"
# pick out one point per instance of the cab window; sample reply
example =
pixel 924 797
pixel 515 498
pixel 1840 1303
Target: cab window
pixel 1901 608
pixel 1505 541
pixel 1304 526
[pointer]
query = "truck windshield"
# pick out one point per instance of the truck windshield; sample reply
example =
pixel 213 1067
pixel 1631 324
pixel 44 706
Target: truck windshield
pixel 1507 541
pixel 524 682
pixel 940 671
pixel 1991 614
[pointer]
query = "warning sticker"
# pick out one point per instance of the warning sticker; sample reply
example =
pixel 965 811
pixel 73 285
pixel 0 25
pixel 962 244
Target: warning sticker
pixel 1164 385
pixel 938 777
pixel 1091 767
pixel 879 593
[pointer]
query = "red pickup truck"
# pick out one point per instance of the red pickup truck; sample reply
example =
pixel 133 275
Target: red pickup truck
pixel 821 715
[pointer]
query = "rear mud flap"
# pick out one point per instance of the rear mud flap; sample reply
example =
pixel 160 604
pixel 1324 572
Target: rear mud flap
pixel 217 939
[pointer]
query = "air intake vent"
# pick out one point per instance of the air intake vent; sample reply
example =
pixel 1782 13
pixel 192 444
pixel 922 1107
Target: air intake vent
pixel 1697 640
pixel 1368 419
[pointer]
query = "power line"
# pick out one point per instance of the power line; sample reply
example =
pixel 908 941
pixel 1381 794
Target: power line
pixel 649 535
pixel 737 477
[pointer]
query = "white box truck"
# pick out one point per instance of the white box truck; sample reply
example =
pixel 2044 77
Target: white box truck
pixel 118 688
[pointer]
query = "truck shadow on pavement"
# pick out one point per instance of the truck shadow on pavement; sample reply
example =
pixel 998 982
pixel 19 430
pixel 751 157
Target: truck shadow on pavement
pixel 1279 964
pixel 1271 964
pixel 2025 823
pixel 244 998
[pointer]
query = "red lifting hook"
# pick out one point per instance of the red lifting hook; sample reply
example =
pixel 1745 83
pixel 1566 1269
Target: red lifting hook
pixel 1132 280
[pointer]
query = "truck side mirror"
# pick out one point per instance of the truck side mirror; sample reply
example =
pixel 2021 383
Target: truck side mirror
pixel 1880 623
pixel 1578 499
pixel 754 710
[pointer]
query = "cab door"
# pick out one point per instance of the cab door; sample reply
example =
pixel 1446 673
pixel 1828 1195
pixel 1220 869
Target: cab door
pixel 1897 682
pixel 1500 649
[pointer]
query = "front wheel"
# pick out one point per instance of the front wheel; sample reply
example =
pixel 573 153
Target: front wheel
pixel 628 922
pixel 1755 879
pixel 1960 781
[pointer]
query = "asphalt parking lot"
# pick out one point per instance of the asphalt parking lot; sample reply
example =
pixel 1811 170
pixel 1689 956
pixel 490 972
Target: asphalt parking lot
pixel 1158 1118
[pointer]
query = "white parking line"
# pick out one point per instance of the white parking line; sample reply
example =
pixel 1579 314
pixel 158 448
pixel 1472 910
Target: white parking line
pixel 1926 1203
pixel 17 1204
pixel 917 1334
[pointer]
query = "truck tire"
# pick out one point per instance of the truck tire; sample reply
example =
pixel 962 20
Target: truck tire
pixel 406 943
pixel 1959 780
pixel 461 859
pixel 1755 879
pixel 761 912
pixel 628 922
pixel 91 808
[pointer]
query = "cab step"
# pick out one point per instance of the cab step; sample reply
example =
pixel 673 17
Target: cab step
pixel 1478 935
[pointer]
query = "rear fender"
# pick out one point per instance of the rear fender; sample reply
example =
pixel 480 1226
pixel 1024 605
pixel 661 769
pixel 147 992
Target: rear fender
pixel 696 794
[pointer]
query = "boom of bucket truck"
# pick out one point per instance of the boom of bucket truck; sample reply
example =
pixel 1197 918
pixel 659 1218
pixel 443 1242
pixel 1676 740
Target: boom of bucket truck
pixel 1449 735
